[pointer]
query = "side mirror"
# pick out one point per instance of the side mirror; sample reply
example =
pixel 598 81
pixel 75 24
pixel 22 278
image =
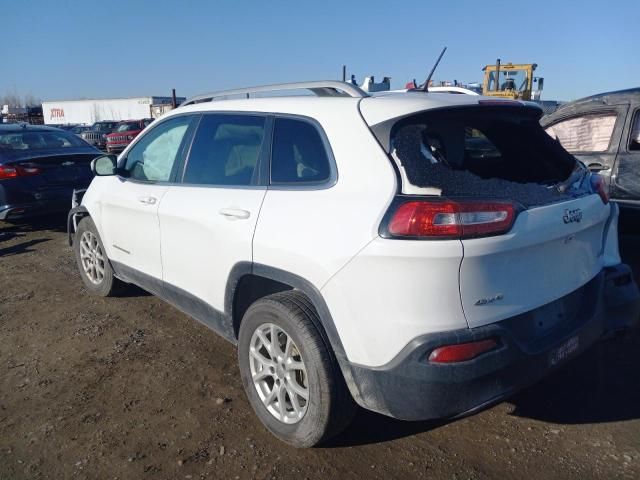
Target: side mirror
pixel 540 83
pixel 104 165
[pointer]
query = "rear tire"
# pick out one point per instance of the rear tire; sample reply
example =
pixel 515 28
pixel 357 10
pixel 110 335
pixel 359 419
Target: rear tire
pixel 299 364
pixel 94 267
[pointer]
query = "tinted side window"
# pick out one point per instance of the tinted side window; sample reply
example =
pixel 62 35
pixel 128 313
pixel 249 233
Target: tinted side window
pixel 634 140
pixel 225 150
pixel 298 154
pixel 477 146
pixel 153 157
pixel 588 133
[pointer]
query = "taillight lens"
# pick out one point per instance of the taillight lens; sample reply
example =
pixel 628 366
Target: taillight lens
pixel 462 351
pixel 599 186
pixel 452 219
pixel 11 171
pixel 8 172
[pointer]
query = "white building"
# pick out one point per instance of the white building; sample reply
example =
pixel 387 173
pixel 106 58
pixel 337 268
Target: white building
pixel 89 111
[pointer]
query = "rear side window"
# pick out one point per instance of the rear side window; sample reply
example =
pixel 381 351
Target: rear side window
pixel 588 133
pixel 634 140
pixel 33 140
pixel 225 150
pixel 477 146
pixel 298 154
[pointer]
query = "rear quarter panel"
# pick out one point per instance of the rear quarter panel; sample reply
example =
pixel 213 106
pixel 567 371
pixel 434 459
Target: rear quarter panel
pixel 313 233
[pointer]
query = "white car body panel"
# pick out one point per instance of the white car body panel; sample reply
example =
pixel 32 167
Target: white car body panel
pixel 392 292
pixel 126 215
pixel 540 260
pixel 201 241
pixel 314 232
pixel 382 108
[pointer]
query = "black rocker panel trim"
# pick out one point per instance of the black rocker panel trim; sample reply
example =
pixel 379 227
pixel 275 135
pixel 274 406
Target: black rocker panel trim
pixel 187 303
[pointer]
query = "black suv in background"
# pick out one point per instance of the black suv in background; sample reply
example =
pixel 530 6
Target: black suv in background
pixel 97 135
pixel 603 131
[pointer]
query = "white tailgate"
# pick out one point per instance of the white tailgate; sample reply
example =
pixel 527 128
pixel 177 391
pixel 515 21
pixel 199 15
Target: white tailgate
pixel 540 260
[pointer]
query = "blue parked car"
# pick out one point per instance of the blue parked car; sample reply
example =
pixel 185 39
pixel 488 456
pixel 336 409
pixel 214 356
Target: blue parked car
pixel 39 169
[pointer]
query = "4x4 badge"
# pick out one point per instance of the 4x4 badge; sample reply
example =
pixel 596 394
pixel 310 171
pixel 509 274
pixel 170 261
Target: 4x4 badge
pixel 574 215
pixel 487 301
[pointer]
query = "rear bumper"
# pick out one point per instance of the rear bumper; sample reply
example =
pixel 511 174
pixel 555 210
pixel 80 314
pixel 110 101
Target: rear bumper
pixel 34 209
pixel 411 388
pixel 16 204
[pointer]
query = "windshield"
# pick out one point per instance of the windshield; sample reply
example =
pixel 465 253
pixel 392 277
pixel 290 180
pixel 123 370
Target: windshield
pixel 103 127
pixel 508 80
pixel 38 140
pixel 128 127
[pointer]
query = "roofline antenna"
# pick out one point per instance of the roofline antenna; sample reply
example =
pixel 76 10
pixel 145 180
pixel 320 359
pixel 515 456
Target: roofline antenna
pixel 425 87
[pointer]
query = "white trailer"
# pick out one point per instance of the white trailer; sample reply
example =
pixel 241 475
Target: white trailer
pixel 87 112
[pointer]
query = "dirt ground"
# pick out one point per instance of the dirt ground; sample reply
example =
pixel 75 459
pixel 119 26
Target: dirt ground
pixel 131 388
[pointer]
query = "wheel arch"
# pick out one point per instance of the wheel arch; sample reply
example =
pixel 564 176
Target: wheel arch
pixel 239 295
pixel 73 218
pixel 249 282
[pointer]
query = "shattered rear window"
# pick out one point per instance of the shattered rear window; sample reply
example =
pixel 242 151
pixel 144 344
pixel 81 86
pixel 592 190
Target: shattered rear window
pixel 482 152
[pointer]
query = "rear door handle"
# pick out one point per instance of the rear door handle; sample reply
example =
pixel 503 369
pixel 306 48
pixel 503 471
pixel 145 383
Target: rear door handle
pixel 232 213
pixel 598 167
pixel 148 200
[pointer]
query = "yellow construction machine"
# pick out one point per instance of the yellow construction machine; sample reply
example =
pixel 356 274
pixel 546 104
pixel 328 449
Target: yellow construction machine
pixel 511 80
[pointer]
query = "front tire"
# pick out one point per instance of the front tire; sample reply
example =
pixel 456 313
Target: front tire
pixel 290 376
pixel 94 267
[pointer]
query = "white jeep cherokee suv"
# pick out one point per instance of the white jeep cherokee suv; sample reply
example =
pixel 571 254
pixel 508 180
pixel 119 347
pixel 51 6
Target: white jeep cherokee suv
pixel 425 255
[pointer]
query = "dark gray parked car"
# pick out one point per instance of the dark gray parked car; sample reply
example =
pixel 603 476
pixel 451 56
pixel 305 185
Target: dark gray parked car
pixel 603 131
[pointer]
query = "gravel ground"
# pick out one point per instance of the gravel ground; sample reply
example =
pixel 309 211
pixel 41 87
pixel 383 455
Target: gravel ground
pixel 131 388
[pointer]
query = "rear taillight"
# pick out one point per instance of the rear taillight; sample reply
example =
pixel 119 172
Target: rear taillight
pixel 451 219
pixel 462 352
pixel 10 171
pixel 599 186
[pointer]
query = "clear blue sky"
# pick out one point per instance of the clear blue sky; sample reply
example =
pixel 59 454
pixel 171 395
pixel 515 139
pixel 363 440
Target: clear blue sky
pixel 57 49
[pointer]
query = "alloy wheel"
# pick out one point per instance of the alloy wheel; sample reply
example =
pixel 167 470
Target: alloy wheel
pixel 92 258
pixel 279 374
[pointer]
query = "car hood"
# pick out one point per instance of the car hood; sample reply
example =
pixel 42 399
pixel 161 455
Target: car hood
pixel 119 134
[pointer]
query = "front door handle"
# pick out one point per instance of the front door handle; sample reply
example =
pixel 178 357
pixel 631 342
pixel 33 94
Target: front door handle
pixel 232 213
pixel 598 167
pixel 148 200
